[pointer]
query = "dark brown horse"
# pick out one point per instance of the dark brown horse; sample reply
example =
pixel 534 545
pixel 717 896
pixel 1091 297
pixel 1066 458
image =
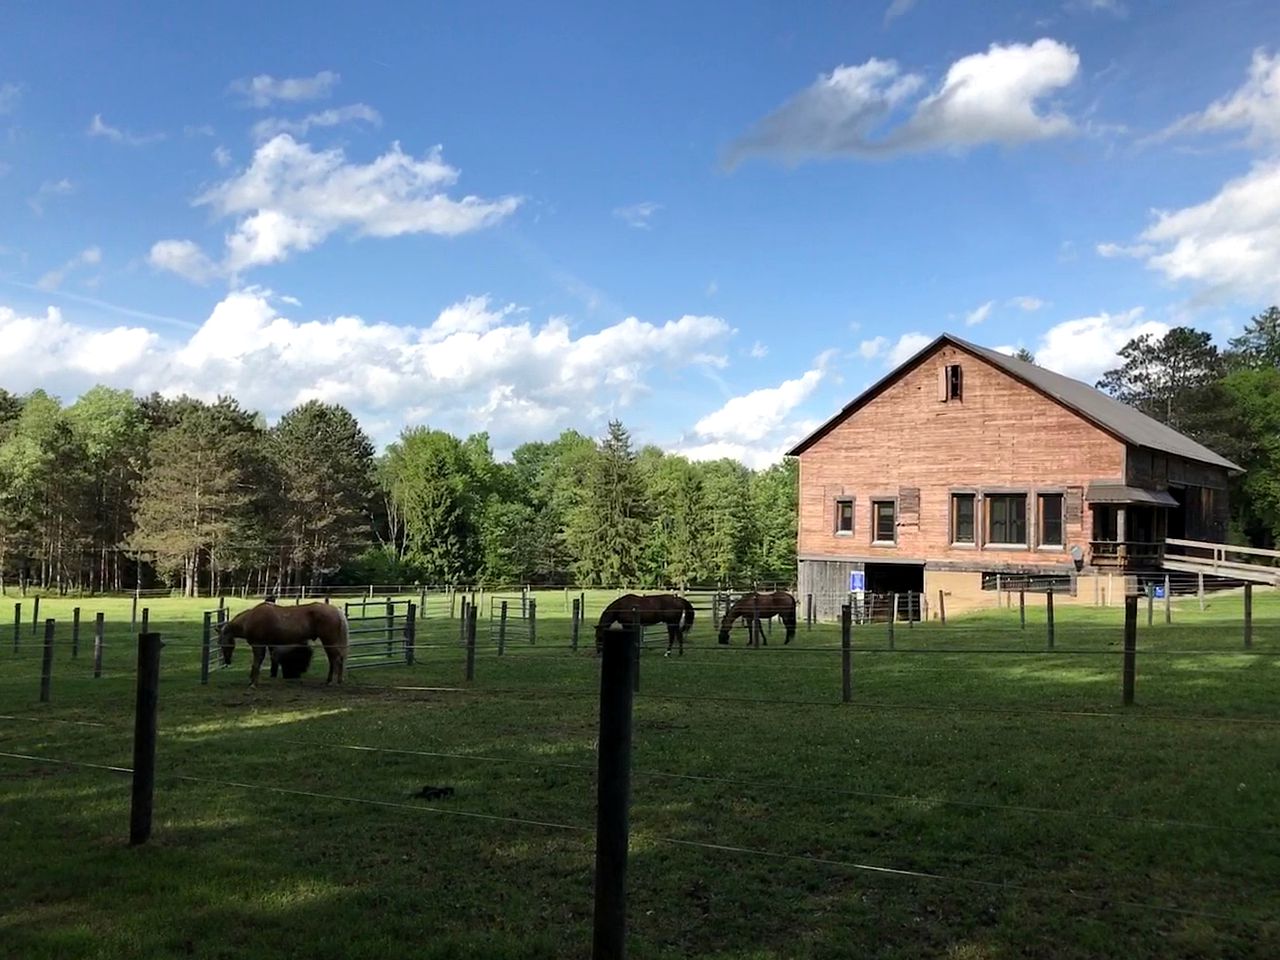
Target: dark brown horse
pixel 755 607
pixel 631 608
pixel 268 626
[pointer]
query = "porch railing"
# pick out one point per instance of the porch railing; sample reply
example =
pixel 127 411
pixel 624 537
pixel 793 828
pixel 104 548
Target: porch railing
pixel 1125 553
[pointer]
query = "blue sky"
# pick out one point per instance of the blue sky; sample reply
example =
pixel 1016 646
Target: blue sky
pixel 717 221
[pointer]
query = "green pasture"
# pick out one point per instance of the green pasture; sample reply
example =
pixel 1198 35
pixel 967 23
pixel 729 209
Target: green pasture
pixel 1033 814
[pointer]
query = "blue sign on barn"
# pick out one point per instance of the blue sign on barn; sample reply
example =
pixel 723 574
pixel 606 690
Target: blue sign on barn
pixel 1159 592
pixel 857 581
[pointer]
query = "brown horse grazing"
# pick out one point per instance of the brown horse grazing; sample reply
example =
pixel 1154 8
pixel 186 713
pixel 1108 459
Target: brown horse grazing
pixel 270 626
pixel 631 608
pixel 755 607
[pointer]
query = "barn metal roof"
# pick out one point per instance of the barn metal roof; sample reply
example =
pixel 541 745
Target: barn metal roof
pixel 1119 493
pixel 1120 420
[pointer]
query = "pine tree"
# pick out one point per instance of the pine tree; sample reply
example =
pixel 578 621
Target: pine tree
pixel 606 529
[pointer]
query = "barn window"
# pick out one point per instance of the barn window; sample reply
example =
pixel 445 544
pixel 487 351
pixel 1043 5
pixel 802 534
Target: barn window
pixel 1007 519
pixel 844 516
pixel 950 382
pixel 884 516
pixel 963 515
pixel 1050 520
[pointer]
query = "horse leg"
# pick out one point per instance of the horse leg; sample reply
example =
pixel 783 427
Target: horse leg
pixel 673 631
pixel 337 661
pixel 275 663
pixel 259 654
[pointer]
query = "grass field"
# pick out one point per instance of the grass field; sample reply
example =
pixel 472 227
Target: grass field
pixel 1036 815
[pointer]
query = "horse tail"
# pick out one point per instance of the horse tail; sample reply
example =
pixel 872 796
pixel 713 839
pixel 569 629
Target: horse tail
pixel 687 625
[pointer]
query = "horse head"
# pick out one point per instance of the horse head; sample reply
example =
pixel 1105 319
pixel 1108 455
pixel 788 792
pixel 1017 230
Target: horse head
pixel 226 642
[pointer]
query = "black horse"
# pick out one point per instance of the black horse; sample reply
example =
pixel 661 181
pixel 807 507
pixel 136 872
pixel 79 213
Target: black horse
pixel 755 607
pixel 631 608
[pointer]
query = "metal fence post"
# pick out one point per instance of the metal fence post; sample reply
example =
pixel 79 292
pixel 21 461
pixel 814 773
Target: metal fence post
pixel 462 623
pixel 502 628
pixel 391 625
pixel 753 634
pixel 410 633
pixel 1200 589
pixel 144 738
pixel 637 644
pixel 97 644
pixel 893 616
pixel 35 615
pixel 809 611
pixel 577 611
pixel 471 642
pixel 613 798
pixel 1048 612
pixel 46 663
pixel 846 649
pixel 1168 600
pixel 1130 645
pixel 146 616
pixel 206 635
pixel 533 621
pixel 133 617
pixel 1248 615
pixel 17 626
pixel 1151 605
pixel 75 633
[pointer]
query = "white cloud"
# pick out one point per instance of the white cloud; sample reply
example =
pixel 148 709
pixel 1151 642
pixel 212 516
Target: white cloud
pixel 1029 304
pixel 759 351
pixel 897 9
pixel 1112 250
pixel 638 215
pixel 99 128
pixel 264 89
pixel 91 256
pixel 10 95
pixel 1254 108
pixel 198 130
pixel 875 347
pixel 1229 246
pixel 183 258
pixel 292 198
pixel 1087 347
pixel 222 156
pixel 754 416
pixel 477 366
pixel 908 345
pixel 992 97
pixel 1113 7
pixel 978 314
pixel 268 128
pixel 712 288
pixel 51 353
pixel 50 188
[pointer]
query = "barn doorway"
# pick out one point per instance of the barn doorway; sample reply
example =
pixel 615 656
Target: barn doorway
pixel 904 579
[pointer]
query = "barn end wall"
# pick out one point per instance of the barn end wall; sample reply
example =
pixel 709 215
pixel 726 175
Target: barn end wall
pixel 1001 435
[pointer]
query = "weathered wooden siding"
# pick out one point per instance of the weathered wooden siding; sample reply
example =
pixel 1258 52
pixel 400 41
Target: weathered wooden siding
pixel 1001 435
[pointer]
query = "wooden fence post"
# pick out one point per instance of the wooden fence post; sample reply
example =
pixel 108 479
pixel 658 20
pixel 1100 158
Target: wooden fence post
pixel 75 633
pixel 893 616
pixel 46 663
pixel 462 623
pixel 533 620
pixel 613 798
pixel 1130 645
pixel 144 738
pixel 1168 600
pixel 471 641
pixel 942 608
pixel 846 649
pixel 502 628
pixel 410 633
pixel 35 615
pixel 17 626
pixel 97 645
pixel 1022 606
pixel 577 611
pixel 1200 588
pixel 206 636
pixel 133 617
pixel 1048 612
pixel 753 632
pixel 809 611
pixel 1248 615
pixel 146 616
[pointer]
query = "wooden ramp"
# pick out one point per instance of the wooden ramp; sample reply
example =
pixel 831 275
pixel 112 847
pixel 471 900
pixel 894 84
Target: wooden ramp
pixel 1224 560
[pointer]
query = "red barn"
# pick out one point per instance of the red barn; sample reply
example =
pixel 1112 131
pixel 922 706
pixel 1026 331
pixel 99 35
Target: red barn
pixel 964 464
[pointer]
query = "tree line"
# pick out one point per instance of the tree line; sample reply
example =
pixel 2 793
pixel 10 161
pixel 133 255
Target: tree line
pixel 116 490
pixel 1228 400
